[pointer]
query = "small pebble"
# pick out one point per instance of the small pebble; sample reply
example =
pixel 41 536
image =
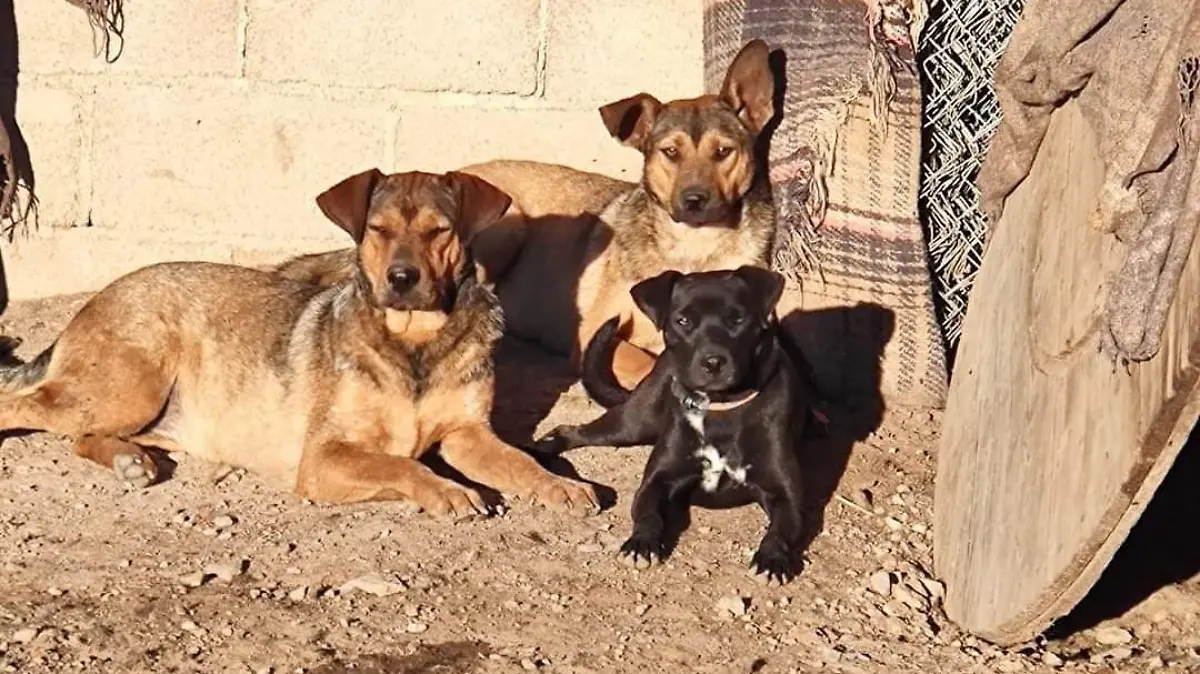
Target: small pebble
pixel 192 579
pixel 1009 666
pixel 1115 654
pixel 373 584
pixel 24 636
pixel 735 606
pixel 416 628
pixel 222 522
pixel 881 583
pixel 937 589
pixel 224 572
pixel 1051 660
pixel 299 594
pixel 1113 636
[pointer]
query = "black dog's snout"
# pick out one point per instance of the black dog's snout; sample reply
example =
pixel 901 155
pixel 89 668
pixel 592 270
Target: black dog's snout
pixel 713 363
pixel 695 198
pixel 402 277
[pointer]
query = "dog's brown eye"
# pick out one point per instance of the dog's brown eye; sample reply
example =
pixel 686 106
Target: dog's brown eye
pixel 737 320
pixel 722 153
pixel 670 152
pixel 683 321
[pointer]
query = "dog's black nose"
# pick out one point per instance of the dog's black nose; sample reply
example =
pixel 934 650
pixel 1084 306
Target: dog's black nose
pixel 694 198
pixel 402 277
pixel 713 364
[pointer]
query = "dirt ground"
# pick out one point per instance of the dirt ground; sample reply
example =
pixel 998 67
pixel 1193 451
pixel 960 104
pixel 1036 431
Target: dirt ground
pixel 192 576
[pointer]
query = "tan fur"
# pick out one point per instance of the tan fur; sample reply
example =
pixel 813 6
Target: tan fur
pixel 610 235
pixel 574 243
pixel 332 391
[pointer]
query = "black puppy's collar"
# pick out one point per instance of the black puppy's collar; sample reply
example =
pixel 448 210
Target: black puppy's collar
pixel 699 402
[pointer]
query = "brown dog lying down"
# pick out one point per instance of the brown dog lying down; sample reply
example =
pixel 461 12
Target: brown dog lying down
pixel 336 391
pixel 584 239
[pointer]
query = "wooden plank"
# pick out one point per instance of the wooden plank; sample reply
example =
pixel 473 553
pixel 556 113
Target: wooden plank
pixel 1048 456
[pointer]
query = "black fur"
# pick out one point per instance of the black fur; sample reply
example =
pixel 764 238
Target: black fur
pixel 15 375
pixel 598 378
pixel 728 314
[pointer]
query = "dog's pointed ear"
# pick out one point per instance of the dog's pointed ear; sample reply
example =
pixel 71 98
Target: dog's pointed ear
pixel 749 86
pixel 764 284
pixel 347 202
pixel 480 204
pixel 629 120
pixel 653 296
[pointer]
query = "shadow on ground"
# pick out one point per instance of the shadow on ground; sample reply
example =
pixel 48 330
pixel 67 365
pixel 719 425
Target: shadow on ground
pixel 1162 549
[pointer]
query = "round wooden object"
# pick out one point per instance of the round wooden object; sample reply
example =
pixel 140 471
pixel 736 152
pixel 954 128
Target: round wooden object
pixel 1048 454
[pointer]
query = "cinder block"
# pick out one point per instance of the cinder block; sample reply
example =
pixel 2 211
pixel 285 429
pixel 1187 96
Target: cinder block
pixel 51 122
pixel 600 52
pixel 441 139
pixel 65 261
pixel 165 37
pixel 419 45
pixel 222 160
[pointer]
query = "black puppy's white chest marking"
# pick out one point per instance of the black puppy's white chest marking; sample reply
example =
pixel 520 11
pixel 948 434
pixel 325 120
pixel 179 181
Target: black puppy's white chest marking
pixel 714 464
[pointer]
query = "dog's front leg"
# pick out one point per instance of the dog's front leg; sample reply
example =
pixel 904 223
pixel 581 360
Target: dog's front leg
pixel 666 484
pixel 336 472
pixel 477 453
pixel 780 496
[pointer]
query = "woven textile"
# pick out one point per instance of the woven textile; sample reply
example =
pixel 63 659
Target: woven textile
pixel 844 167
pixel 1134 68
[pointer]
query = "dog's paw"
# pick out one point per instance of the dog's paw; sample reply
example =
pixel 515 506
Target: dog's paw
pixel 562 492
pixel 773 564
pixel 552 443
pixel 452 501
pixel 642 552
pixel 137 471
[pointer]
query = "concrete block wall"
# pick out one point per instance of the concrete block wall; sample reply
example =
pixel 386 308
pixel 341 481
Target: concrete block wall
pixel 221 121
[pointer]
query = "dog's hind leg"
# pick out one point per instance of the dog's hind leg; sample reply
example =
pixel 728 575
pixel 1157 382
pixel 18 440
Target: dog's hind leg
pixel 625 425
pixel 131 463
pixel 95 399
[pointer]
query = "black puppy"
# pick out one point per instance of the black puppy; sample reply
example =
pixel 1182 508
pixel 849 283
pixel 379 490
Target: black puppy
pixel 723 407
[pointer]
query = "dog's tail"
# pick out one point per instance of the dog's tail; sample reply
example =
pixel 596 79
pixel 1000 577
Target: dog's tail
pixel 597 372
pixel 16 375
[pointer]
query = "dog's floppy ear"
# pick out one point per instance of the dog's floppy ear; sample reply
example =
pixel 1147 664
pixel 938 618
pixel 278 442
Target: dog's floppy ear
pixel 653 296
pixel 480 204
pixel 750 85
pixel 347 202
pixel 766 285
pixel 629 120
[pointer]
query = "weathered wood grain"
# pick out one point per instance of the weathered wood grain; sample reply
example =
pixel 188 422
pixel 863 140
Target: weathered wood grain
pixel 1048 456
